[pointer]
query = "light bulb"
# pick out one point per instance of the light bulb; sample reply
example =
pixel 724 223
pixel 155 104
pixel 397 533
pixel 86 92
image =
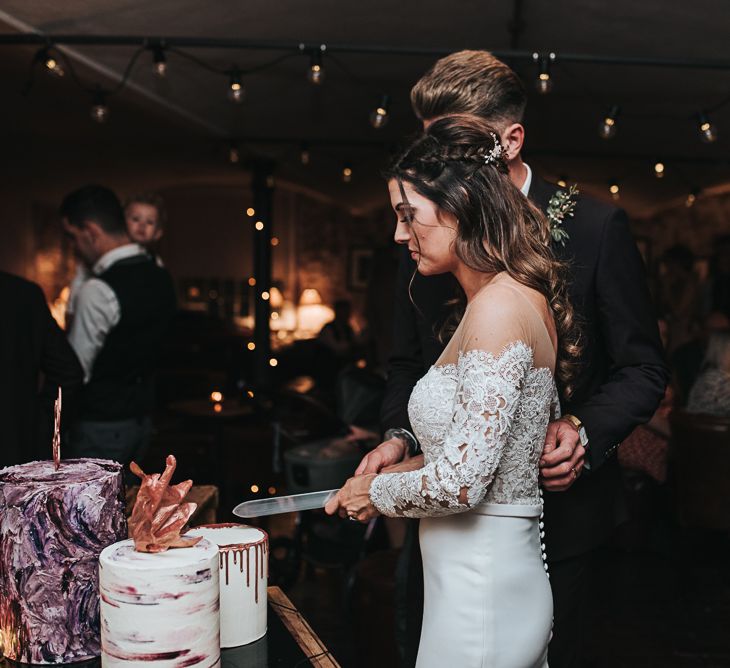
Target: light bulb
pixel 315 74
pixel 563 181
pixel 159 67
pixel 614 190
pixel 544 81
pixel 379 115
pixel 347 174
pixel 52 65
pixel 233 154
pixel 708 131
pixel 659 170
pixel 236 91
pixel 304 155
pixel 607 128
pixel 99 108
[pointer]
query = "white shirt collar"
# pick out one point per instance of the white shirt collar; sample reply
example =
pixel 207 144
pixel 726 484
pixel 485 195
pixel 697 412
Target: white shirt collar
pixel 528 181
pixel 115 254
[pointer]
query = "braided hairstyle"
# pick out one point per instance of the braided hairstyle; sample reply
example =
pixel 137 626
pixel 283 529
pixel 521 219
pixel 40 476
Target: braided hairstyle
pixel 458 164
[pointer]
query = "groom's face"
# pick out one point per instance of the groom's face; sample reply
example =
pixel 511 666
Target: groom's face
pixel 428 232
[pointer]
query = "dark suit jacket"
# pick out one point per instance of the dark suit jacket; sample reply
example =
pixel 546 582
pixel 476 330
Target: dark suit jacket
pixel 622 372
pixel 35 358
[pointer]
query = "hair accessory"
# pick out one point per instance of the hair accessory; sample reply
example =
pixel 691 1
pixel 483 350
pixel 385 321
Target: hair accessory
pixel 496 153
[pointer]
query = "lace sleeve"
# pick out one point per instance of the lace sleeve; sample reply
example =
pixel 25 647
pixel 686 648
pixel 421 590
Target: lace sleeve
pixel 489 389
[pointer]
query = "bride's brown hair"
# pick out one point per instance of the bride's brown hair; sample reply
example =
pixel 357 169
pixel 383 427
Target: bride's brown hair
pixel 457 164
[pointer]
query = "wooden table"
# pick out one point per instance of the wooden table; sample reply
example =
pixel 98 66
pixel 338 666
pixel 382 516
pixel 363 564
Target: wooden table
pixel 289 643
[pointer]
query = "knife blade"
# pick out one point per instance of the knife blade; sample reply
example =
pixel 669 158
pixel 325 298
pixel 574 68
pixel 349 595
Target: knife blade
pixel 284 504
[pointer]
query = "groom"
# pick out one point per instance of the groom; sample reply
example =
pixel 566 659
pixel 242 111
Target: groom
pixel 622 370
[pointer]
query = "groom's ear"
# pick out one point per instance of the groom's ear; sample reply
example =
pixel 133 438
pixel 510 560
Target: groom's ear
pixel 512 139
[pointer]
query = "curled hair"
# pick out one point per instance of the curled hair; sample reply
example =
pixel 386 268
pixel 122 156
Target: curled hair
pixel 152 199
pixel 499 229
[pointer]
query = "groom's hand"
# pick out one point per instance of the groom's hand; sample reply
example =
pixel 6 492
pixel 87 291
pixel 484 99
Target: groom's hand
pixel 386 454
pixel 562 458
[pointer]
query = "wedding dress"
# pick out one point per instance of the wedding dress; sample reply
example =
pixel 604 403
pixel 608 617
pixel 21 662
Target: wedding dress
pixel 481 414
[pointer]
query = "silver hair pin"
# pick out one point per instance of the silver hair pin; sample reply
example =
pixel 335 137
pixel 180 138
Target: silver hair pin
pixel 496 153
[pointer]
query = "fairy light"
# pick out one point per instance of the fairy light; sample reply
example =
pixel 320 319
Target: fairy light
pixel 216 396
pixel 379 116
pixel 51 63
pixel 272 490
pixel 315 73
pixel 274 241
pixel 563 181
pixel 252 282
pixel 159 64
pixel 251 345
pixel 347 173
pixel 250 212
pixel 304 154
pixel 235 88
pixel 544 81
pixel 614 189
pixel 233 155
pixel 218 408
pixel 259 225
pixel 99 108
pixel 255 489
pixel 265 296
pixel 659 170
pixel 250 394
pixel 692 197
pixel 708 131
pixel 607 128
pixel 273 361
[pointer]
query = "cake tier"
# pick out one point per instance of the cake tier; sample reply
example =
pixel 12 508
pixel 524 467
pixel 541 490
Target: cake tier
pixel 53 526
pixel 161 607
pixel 244 568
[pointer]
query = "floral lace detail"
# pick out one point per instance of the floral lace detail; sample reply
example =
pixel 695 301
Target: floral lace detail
pixel 481 423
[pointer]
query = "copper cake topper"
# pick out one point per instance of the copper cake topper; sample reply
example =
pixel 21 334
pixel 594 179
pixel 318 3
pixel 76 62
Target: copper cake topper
pixel 57 431
pixel 159 513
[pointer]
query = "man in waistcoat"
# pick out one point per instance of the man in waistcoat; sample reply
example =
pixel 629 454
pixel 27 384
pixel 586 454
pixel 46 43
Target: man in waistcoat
pixel 120 321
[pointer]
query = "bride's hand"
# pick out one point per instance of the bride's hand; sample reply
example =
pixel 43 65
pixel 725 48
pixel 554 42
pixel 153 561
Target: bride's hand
pixel 353 500
pixel 410 464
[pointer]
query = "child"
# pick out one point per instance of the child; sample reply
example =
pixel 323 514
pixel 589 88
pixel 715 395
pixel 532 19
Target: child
pixel 146 217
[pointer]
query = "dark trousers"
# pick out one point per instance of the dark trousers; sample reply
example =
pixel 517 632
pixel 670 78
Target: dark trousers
pixel 569 579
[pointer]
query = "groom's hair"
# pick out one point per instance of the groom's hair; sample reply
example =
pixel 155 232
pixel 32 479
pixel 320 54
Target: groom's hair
pixel 470 82
pixel 94 203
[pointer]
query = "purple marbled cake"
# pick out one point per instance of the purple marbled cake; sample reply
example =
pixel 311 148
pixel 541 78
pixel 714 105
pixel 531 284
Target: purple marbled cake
pixel 53 526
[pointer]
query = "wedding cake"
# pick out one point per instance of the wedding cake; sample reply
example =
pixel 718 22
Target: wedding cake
pixel 54 523
pixel 243 563
pixel 159 607
pixel 159 590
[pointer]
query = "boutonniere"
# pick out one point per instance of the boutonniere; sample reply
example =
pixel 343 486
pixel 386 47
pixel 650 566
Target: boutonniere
pixel 561 204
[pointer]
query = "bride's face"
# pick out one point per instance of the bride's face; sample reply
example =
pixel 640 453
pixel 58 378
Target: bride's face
pixel 428 232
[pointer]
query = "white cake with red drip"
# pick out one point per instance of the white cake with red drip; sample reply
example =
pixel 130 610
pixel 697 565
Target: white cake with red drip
pixel 243 563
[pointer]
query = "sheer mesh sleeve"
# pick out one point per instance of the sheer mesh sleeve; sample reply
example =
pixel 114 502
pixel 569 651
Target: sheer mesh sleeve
pixel 494 357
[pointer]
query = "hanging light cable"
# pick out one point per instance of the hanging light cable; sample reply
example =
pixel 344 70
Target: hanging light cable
pixel 607 128
pixel 544 81
pixel 379 115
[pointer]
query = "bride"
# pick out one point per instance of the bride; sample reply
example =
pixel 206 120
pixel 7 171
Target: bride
pixel 481 412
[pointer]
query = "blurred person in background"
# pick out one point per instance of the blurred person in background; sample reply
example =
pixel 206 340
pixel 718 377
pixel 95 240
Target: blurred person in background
pixel 36 359
pixel 121 317
pixel 710 395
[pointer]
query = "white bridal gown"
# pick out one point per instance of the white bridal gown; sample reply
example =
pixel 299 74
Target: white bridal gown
pixel 480 415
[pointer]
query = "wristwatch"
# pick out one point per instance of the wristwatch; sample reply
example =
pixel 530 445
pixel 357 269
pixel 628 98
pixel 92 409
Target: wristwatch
pixel 582 435
pixel 405 436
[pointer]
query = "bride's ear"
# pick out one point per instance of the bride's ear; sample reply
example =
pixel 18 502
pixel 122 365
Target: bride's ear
pixel 512 139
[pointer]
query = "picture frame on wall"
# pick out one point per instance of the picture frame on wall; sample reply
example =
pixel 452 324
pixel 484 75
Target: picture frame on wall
pixel 359 267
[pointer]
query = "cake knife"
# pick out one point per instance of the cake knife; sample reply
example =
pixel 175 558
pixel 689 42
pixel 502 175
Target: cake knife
pixel 284 504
